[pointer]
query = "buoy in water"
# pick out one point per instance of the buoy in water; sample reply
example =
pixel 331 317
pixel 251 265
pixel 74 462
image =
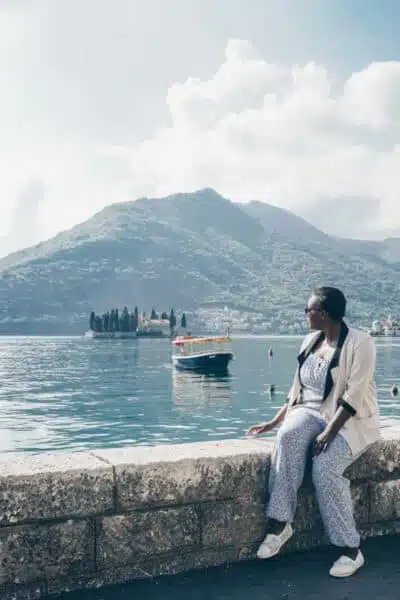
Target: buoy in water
pixel 394 390
pixel 271 388
pixel 270 353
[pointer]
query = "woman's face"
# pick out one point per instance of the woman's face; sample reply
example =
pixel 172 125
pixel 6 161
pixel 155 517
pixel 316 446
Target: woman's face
pixel 315 316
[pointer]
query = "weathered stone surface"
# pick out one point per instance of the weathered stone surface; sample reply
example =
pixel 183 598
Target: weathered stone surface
pixel 33 552
pixel 188 473
pixel 50 486
pixel 381 460
pixel 200 559
pixel 232 523
pixel 360 495
pixel 304 540
pixel 385 501
pixel 33 591
pixel 124 539
pixel 171 564
pixel 379 529
pixel 307 515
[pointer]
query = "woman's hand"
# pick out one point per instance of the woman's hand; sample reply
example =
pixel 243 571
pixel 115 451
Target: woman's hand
pixel 323 441
pixel 262 428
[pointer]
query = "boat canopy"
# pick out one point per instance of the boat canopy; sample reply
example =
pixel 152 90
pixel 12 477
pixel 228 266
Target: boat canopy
pixel 182 340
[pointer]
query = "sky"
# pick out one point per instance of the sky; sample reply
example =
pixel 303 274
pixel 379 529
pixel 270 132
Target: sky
pixel 291 102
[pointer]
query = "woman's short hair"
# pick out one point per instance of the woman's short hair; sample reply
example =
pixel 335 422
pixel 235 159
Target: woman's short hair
pixel 332 301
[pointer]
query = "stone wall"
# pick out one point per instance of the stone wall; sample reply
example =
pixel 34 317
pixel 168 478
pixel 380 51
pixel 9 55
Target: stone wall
pixel 84 520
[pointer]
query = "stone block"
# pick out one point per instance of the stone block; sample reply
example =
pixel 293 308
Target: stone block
pixel 34 552
pixel 381 461
pixel 52 486
pixel 171 564
pixel 380 528
pixel 200 559
pixel 231 523
pixel 385 501
pixel 189 473
pixel 361 502
pixel 124 539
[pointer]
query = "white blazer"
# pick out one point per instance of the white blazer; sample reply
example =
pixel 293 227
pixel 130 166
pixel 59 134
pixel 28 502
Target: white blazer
pixel 349 381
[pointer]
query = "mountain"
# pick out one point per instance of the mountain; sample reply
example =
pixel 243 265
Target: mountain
pixel 192 251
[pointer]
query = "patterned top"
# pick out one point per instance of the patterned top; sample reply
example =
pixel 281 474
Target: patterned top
pixel 313 374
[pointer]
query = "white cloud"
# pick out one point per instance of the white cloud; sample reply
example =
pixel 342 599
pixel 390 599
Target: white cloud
pixel 293 136
pixel 370 97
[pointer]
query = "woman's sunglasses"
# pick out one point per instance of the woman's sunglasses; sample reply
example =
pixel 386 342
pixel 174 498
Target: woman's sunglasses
pixel 312 309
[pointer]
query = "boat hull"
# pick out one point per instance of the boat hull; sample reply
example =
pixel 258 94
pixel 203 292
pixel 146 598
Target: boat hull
pixel 214 362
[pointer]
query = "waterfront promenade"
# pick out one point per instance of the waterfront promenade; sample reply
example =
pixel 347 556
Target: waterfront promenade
pixel 298 576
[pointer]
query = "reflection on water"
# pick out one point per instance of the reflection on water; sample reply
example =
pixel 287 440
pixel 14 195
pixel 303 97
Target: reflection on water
pixel 192 389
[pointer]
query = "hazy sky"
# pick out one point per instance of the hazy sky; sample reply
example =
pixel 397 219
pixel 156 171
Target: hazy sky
pixel 294 102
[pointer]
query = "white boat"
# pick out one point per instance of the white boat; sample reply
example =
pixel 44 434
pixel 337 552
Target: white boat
pixel 376 329
pixel 202 354
pixel 391 328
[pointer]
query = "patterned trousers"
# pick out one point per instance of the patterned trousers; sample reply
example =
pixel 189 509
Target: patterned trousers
pixel 292 449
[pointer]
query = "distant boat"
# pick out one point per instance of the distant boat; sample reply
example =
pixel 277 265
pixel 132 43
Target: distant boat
pixel 389 328
pixel 376 329
pixel 202 354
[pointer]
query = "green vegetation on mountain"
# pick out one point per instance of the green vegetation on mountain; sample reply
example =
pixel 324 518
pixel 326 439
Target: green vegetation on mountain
pixel 192 251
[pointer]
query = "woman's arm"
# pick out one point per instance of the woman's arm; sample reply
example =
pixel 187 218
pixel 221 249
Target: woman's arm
pixel 269 425
pixel 280 415
pixel 361 374
pixel 322 441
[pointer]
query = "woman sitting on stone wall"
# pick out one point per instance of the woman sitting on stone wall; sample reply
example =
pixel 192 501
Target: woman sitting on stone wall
pixel 332 416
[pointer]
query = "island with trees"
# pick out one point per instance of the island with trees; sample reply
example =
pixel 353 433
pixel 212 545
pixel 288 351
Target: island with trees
pixel 123 323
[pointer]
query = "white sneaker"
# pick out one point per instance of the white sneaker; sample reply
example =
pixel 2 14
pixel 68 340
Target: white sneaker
pixel 273 543
pixel 346 566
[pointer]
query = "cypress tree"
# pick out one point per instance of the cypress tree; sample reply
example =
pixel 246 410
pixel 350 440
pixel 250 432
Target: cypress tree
pixel 125 319
pixel 112 320
pixel 172 320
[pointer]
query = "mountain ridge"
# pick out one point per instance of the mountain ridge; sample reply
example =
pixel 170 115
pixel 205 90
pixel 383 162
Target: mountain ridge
pixel 192 251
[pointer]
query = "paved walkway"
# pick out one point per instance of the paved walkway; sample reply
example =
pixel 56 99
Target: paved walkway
pixel 301 576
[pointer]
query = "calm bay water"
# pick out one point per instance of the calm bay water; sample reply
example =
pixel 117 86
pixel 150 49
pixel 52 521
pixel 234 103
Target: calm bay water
pixel 76 394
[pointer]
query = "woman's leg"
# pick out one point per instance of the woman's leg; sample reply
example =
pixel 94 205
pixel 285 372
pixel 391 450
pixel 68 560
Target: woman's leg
pixel 333 493
pixel 289 458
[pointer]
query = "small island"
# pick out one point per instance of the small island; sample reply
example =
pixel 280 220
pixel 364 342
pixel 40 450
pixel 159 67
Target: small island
pixel 125 324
